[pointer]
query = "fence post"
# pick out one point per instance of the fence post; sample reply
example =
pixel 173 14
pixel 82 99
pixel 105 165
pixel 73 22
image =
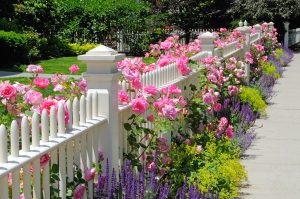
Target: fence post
pixel 102 74
pixel 257 28
pixel 207 43
pixel 271 26
pixel 286 34
pixel 246 31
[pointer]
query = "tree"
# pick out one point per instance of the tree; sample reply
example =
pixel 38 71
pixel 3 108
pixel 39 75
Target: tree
pixel 259 11
pixel 193 14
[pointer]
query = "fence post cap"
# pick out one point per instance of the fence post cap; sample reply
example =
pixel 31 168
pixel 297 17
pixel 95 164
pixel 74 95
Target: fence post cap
pixel 241 23
pixel 102 52
pixel 256 26
pixel 271 23
pixel 206 35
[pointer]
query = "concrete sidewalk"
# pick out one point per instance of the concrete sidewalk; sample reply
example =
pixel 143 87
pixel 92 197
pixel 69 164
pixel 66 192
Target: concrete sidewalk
pixel 6 74
pixel 273 160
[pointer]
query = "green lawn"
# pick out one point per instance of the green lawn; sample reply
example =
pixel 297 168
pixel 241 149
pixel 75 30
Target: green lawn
pixel 27 80
pixel 52 66
pixel 60 65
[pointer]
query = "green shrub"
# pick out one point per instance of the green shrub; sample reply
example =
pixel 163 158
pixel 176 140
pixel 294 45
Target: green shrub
pixel 55 47
pixel 79 49
pixel 8 25
pixel 216 168
pixel 269 69
pixel 19 48
pixel 253 97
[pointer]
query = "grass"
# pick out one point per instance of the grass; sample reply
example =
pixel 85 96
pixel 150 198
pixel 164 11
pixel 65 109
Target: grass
pixel 52 66
pixel 27 80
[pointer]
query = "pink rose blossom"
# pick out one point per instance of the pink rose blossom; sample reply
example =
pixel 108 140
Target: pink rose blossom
pixel 100 155
pixel 123 97
pixel 223 123
pixel 166 45
pixel 217 107
pixel 79 191
pixel 82 84
pixel 34 69
pixel 152 90
pixel 59 88
pixel 182 65
pixel 233 90
pixel 150 118
pixel 139 105
pixel 222 30
pixel 249 57
pixel 89 174
pixel 173 89
pixel 74 68
pixel 147 55
pixel 169 111
pixel 47 104
pixel 151 166
pixel 7 91
pixel 199 149
pixel 188 142
pixel 166 160
pixel 229 131
pixel 41 82
pixel 44 160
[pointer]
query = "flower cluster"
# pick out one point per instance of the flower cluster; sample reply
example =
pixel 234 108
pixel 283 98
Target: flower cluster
pixel 19 98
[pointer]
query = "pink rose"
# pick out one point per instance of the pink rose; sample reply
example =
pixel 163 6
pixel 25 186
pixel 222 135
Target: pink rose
pixel 41 82
pixel 182 65
pixel 199 149
pixel 223 123
pixel 249 57
pixel 152 90
pixel 100 155
pixel 169 111
pixel 47 104
pixel 164 148
pixel 139 105
pixel 166 160
pixel 79 191
pixel 222 30
pixel 44 160
pixel 217 107
pixel 229 131
pixel 34 69
pixel 7 91
pixel 173 89
pixel 233 90
pixel 151 166
pixel 150 118
pixel 147 55
pixel 188 142
pixel 82 84
pixel 208 98
pixel 33 97
pixel 74 68
pixel 59 88
pixel 89 174
pixel 166 45
pixel 123 97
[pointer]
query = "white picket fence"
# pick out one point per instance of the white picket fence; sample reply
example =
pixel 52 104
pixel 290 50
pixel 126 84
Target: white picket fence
pixel 95 121
pixel 294 36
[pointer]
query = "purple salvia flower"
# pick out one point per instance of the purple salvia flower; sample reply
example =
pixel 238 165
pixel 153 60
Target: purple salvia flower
pixel 183 191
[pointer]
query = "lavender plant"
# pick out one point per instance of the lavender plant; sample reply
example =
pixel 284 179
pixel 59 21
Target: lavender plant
pixel 146 184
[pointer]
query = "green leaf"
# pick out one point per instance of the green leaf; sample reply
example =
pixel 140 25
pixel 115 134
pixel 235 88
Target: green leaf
pixel 127 126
